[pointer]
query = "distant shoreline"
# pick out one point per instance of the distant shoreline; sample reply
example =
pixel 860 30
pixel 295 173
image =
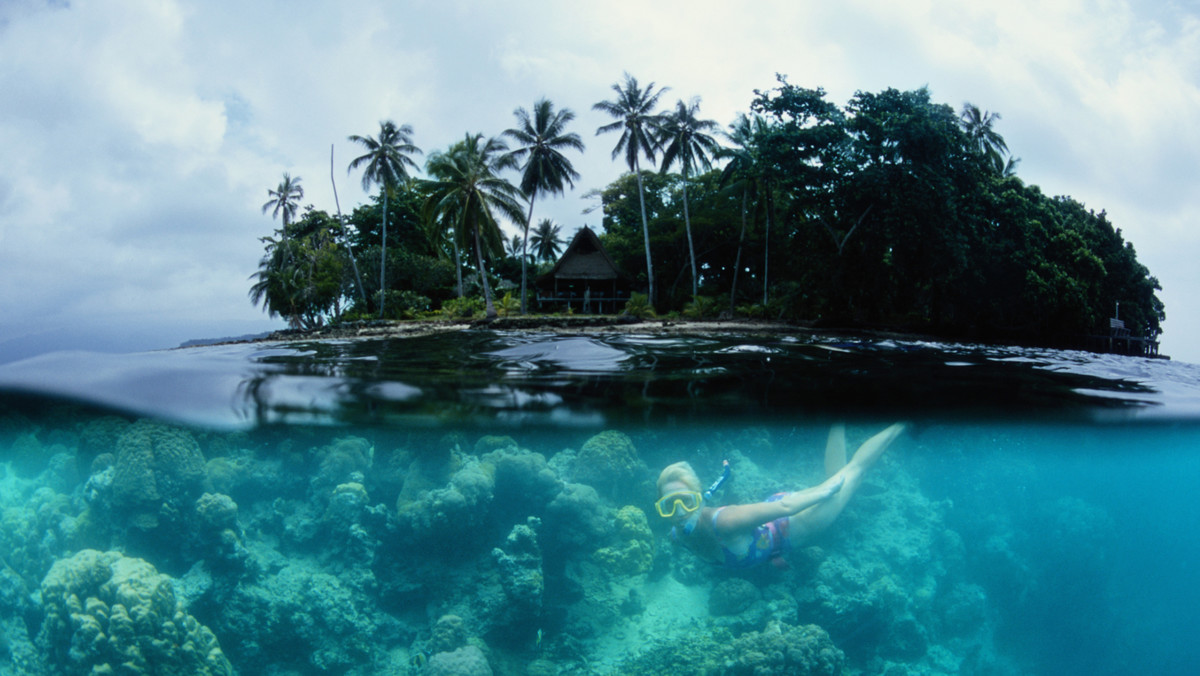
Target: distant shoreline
pixel 601 324
pixel 586 324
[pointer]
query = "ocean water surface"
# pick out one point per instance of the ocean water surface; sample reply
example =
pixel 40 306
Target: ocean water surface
pixel 482 502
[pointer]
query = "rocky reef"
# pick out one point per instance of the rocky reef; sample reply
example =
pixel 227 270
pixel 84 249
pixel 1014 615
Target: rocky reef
pixel 131 546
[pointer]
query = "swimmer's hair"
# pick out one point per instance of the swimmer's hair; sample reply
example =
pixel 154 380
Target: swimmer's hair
pixel 681 472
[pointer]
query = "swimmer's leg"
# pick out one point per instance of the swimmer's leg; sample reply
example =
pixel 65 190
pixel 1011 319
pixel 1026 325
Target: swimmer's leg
pixel 835 449
pixel 818 517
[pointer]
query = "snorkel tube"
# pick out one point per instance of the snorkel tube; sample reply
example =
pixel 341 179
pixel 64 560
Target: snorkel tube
pixel 720 480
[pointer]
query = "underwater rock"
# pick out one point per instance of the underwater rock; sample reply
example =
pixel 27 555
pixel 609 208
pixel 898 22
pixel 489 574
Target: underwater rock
pixel 489 443
pixel 62 473
pixel 346 460
pixel 156 465
pixel 783 649
pixel 520 566
pixel 460 507
pixel 301 615
pixel 466 661
pixel 633 554
pixel 449 634
pixel 218 537
pixel 609 462
pixel 576 518
pixel 732 596
pixel 27 455
pixel 18 654
pixel 99 435
pixel 106 612
pixel 42 526
pixel 217 512
pixel 525 484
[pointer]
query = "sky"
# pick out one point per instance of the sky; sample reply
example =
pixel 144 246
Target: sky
pixel 138 138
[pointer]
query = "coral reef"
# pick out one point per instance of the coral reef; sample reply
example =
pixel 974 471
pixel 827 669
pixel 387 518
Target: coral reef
pixel 159 472
pixel 609 462
pixel 633 554
pixel 465 661
pixel 521 575
pixel 302 552
pixel 105 611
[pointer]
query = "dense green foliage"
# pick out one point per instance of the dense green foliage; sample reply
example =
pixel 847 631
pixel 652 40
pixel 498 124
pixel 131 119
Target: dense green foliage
pixel 890 211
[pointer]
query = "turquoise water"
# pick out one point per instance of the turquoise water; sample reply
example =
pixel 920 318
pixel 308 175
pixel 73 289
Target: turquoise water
pixel 482 502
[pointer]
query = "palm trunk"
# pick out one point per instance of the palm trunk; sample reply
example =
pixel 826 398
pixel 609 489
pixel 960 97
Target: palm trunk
pixel 458 263
pixel 645 229
pixel 383 256
pixel 767 248
pixel 487 290
pixel 525 252
pixel 342 225
pixel 687 226
pixel 737 260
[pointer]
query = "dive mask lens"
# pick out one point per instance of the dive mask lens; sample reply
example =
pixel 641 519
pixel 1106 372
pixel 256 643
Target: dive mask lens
pixel 688 501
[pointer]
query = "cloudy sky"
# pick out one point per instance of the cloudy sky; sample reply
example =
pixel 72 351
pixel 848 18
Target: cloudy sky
pixel 138 137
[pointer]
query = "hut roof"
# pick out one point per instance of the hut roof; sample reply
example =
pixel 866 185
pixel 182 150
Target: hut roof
pixel 585 258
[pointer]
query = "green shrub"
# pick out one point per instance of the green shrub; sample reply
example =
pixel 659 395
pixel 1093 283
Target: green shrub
pixel 701 306
pixel 403 304
pixel 639 306
pixel 462 308
pixel 752 310
pixel 508 305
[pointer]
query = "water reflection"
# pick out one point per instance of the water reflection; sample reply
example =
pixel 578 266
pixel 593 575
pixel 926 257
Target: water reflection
pixel 486 378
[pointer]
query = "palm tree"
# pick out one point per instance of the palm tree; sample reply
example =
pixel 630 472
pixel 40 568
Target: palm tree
pixel 514 248
pixel 685 143
pixel 468 189
pixel 978 126
pixel 542 138
pixel 386 160
pixel 740 170
pixel 745 169
pixel 285 200
pixel 547 240
pixel 638 125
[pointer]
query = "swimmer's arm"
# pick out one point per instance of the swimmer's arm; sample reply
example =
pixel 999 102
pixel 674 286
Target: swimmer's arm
pixel 802 500
pixel 735 519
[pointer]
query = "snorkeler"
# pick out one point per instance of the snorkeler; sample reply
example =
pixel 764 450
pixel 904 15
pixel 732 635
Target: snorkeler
pixel 741 536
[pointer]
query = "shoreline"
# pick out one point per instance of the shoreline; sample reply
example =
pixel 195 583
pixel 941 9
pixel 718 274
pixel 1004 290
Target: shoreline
pixel 587 324
pixel 616 324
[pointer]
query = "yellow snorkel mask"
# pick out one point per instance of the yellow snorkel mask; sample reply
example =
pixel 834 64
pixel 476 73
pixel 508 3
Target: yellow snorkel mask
pixel 687 501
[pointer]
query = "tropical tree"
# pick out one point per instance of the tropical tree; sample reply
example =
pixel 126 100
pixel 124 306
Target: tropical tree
pixel 547 240
pixel 978 125
pixel 300 274
pixel 744 172
pixel 685 142
pixel 515 248
pixel 285 199
pixel 468 189
pixel 633 109
pixel 542 137
pixel 385 164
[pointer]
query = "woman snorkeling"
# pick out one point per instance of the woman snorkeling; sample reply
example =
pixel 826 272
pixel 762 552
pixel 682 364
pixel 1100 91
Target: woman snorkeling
pixel 741 536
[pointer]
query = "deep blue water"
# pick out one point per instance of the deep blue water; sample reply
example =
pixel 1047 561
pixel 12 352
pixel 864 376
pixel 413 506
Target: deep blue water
pixel 364 507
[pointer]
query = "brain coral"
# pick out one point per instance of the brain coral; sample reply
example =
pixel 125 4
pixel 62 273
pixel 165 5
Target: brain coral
pixel 609 462
pixel 634 552
pixel 108 613
pixel 466 661
pixel 156 464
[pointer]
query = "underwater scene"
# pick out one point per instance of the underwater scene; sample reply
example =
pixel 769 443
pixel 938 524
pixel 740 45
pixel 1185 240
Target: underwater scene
pixel 487 502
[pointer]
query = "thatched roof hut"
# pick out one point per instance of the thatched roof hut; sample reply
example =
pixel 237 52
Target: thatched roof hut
pixel 585 279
